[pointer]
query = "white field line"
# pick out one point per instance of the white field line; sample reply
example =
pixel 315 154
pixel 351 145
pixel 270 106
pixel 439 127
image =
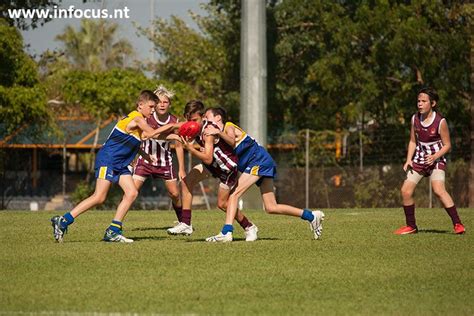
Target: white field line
pixel 65 313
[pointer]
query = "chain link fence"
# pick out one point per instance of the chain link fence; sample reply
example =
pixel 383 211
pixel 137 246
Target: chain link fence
pixel 316 169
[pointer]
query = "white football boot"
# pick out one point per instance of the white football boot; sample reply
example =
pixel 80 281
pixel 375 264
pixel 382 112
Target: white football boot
pixel 317 224
pixel 111 236
pixel 220 238
pixel 181 229
pixel 251 233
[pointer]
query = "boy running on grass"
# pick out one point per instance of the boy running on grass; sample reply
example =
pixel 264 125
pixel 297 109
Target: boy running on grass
pixel 159 151
pixel 257 167
pixel 111 166
pixel 218 161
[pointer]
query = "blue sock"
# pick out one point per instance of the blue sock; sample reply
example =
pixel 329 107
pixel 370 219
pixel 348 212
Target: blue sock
pixel 69 219
pixel 227 228
pixel 307 215
pixel 116 226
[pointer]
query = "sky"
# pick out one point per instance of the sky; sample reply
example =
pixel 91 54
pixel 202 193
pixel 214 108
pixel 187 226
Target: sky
pixel 140 12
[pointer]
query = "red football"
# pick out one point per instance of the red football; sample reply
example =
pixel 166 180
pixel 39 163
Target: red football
pixel 190 129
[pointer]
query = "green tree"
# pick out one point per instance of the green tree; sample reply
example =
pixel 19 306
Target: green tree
pixel 360 61
pixel 103 94
pixel 113 92
pixel 94 46
pixel 22 97
pixel 373 53
pixel 207 60
pixel 366 60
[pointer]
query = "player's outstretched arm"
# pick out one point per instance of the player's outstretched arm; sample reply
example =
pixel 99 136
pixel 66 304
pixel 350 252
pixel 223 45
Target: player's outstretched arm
pixel 148 131
pixel 172 134
pixel 173 137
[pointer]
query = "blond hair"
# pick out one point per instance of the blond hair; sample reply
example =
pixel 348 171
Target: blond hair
pixel 161 91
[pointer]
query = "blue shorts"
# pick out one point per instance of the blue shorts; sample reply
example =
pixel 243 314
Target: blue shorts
pixel 111 173
pixel 255 160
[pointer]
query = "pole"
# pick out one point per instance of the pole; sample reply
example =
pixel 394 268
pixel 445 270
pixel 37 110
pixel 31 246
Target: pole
pixel 253 82
pixel 307 169
pixel 361 145
pixel 35 169
pixel 64 169
pixel 430 195
pixel 471 99
pixel 152 26
pixel 253 71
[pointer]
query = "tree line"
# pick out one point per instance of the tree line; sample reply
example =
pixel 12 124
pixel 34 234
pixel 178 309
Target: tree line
pixel 332 65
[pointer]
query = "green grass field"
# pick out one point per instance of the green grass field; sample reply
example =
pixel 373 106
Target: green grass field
pixel 359 267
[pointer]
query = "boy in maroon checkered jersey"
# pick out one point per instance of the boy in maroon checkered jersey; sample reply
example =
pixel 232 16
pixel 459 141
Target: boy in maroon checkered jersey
pixel 160 164
pixel 429 142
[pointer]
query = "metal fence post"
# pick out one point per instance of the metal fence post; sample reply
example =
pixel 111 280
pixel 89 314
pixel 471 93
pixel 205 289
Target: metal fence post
pixel 307 169
pixel 430 194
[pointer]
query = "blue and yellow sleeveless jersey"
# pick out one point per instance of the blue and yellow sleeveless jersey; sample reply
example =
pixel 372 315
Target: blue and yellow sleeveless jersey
pixel 253 158
pixel 119 150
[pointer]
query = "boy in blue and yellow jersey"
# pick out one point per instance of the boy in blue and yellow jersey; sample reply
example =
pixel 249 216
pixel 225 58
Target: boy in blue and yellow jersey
pixel 111 166
pixel 257 167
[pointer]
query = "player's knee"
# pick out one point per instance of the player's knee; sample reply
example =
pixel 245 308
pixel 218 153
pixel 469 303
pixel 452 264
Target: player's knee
pixel 99 198
pixel 271 209
pixel 222 205
pixel 185 192
pixel 406 193
pixel 233 199
pixel 131 195
pixel 236 194
pixel 173 195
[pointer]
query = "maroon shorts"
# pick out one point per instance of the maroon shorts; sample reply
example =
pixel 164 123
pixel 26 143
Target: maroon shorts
pixel 229 178
pixel 144 170
pixel 426 170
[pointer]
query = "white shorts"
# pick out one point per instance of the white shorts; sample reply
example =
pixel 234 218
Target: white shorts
pixel 415 177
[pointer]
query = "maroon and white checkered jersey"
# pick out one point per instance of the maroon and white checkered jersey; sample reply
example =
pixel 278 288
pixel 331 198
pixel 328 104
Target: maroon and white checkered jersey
pixel 224 159
pixel 428 138
pixel 156 147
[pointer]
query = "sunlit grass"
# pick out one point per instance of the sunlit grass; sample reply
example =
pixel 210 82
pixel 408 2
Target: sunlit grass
pixel 359 267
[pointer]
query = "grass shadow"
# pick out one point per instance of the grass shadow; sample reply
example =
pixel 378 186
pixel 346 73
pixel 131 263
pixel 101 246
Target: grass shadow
pixel 150 228
pixel 148 238
pixel 234 240
pixel 79 241
pixel 433 231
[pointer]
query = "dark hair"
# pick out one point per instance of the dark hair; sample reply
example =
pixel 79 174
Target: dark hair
pixel 193 106
pixel 147 95
pixel 219 111
pixel 431 93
